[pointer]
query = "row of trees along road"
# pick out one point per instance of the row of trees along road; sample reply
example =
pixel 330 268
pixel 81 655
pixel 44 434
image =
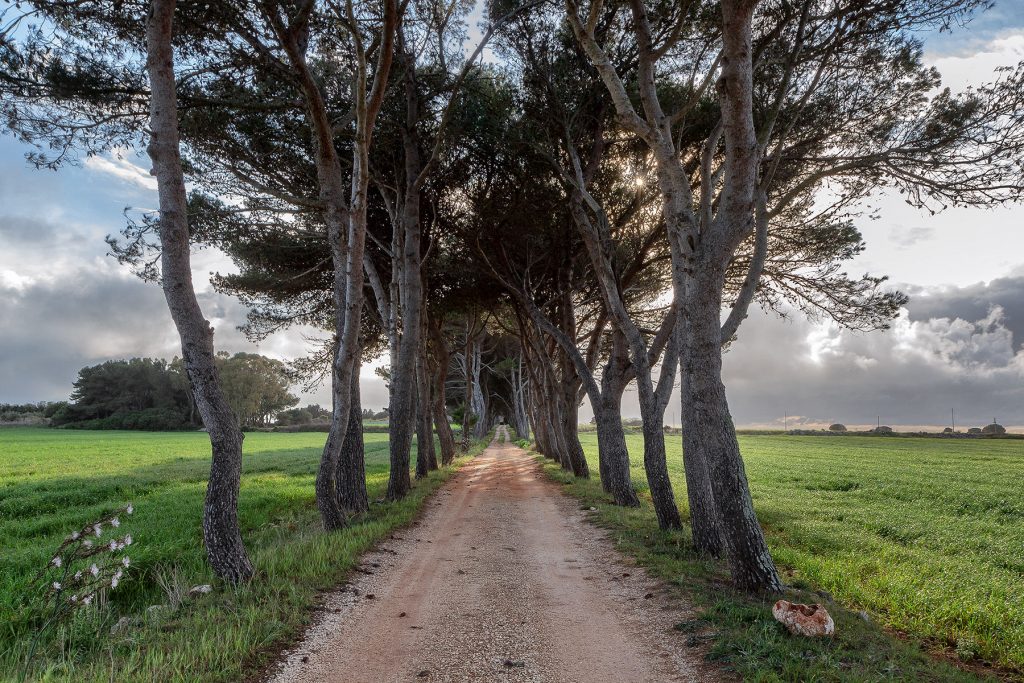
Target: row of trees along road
pixel 518 233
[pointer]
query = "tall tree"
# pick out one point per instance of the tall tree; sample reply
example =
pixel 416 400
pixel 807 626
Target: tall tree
pixel 787 115
pixel 224 548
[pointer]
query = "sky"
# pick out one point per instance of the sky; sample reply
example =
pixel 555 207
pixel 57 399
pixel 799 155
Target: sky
pixel 958 345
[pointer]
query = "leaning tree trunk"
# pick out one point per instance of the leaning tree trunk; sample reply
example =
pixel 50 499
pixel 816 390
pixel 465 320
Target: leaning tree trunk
pixel 571 430
pixel 614 454
pixel 710 429
pixel 656 465
pixel 350 479
pixel 479 403
pixel 224 548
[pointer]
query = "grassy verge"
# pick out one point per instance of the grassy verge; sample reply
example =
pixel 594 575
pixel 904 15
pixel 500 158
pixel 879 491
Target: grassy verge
pixel 55 481
pixel 745 637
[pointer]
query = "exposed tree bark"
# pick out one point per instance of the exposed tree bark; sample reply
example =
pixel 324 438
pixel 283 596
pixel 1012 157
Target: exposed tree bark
pixel 350 479
pixel 710 431
pixel 224 548
pixel 520 420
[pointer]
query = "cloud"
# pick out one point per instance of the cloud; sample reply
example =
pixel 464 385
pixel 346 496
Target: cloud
pixel 977 66
pixel 116 165
pixel 938 356
pixel 25 230
pixel 52 328
pixel 909 237
pixel 972 302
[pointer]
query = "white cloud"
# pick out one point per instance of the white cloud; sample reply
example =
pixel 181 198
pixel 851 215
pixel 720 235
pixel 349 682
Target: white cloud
pixel 117 165
pixel 973 69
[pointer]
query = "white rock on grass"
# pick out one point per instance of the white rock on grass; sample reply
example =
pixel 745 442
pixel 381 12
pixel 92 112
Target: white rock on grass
pixel 804 620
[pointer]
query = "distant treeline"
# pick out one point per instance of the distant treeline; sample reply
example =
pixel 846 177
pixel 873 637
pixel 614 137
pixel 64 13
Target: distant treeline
pixel 153 394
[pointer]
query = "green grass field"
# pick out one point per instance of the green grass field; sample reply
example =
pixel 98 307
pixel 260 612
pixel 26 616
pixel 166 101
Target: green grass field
pixel 54 481
pixel 926 535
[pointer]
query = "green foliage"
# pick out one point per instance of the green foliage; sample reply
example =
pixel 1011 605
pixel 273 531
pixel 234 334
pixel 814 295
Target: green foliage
pixel 256 387
pixel 140 393
pixel 224 636
pixel 923 534
pixel 150 420
pixel 151 394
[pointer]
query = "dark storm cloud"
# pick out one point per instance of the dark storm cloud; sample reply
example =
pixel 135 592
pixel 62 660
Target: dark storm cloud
pixel 972 302
pixel 963 358
pixel 50 329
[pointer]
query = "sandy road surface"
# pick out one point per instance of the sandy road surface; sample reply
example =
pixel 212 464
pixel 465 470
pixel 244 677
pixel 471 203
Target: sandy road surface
pixel 501 580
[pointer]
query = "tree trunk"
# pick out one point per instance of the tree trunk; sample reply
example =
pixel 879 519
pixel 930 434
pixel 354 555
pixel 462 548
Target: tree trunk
pixel 438 402
pixel 709 430
pixel 224 548
pixel 611 439
pixel 571 430
pixel 400 419
pixel 445 437
pixel 478 402
pixel 519 420
pixel 656 466
pixel 426 456
pixel 704 525
pixel 350 479
pixel 403 377
pixel 614 454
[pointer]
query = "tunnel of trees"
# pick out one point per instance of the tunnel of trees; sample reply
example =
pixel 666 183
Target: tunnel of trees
pixel 589 196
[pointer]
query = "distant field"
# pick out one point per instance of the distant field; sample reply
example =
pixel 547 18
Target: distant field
pixel 54 481
pixel 925 534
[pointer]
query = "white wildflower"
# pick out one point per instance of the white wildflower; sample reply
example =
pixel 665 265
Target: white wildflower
pixel 56 561
pixel 129 509
pixel 128 539
pixel 78 575
pixel 74 536
pixel 98 529
pixel 113 582
pixel 114 545
pixel 118 574
pixel 94 570
pixel 74 598
pixel 115 522
pixel 87 544
pixel 87 599
pixel 126 561
pixel 56 585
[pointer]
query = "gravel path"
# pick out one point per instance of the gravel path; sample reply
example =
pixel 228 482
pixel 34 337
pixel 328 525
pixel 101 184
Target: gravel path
pixel 501 580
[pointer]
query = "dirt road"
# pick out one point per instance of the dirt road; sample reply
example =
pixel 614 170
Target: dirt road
pixel 501 580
